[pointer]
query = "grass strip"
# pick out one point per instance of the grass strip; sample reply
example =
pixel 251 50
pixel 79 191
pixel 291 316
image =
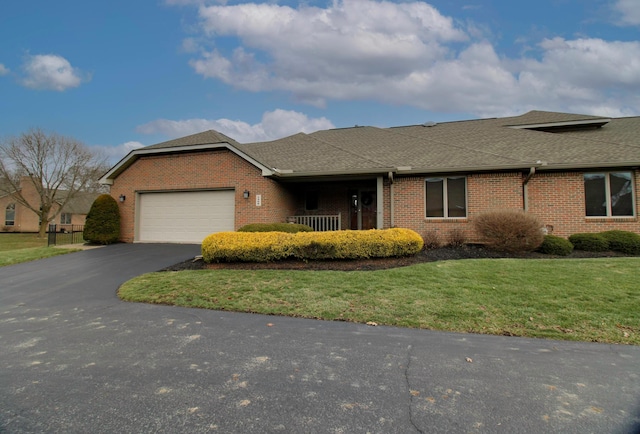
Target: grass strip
pixel 593 300
pixel 30 254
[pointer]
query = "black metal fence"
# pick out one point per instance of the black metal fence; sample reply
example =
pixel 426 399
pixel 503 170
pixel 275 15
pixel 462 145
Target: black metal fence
pixel 65 234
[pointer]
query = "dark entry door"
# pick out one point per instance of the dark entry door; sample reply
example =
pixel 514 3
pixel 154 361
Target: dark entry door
pixel 363 209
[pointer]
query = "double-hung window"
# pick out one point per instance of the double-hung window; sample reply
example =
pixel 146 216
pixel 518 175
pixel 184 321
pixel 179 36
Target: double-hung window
pixel 608 194
pixel 446 197
pixel 65 218
pixel 10 215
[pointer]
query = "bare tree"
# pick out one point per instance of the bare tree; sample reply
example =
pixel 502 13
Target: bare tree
pixel 59 168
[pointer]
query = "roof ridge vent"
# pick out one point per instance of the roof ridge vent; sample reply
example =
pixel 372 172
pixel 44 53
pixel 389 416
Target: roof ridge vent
pixel 430 124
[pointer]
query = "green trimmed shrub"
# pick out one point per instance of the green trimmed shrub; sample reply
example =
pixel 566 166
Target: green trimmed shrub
pixel 589 242
pixel 509 230
pixel 623 241
pixel 554 245
pixel 102 225
pixel 272 246
pixel 290 228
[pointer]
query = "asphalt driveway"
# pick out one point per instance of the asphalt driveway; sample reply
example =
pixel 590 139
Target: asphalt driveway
pixel 74 358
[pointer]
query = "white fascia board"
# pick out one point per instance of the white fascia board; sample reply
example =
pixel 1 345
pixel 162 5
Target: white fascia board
pixel 107 178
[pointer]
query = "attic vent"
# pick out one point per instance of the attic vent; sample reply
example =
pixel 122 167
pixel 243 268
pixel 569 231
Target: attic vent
pixel 430 124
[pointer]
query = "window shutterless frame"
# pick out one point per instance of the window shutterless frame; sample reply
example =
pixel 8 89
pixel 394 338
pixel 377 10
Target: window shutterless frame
pixel 446 197
pixel 609 194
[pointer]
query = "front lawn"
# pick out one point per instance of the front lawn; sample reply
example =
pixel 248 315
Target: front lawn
pixel 594 300
pixel 16 248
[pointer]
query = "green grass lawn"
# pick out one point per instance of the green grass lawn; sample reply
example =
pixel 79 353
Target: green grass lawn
pixel 594 300
pixel 16 248
pixel 20 241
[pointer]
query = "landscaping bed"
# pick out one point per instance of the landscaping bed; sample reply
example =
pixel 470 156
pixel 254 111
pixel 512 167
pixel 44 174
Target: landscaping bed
pixel 427 255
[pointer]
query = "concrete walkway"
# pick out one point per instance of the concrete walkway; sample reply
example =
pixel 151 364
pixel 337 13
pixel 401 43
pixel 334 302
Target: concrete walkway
pixel 74 358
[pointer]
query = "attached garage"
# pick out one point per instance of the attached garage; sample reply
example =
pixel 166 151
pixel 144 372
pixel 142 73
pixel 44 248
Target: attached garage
pixel 184 216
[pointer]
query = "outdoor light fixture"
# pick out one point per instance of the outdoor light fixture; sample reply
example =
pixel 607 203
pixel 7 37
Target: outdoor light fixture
pixel 246 194
pixel 122 197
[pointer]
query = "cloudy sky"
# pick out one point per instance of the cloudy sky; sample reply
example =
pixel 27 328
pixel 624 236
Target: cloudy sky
pixel 120 74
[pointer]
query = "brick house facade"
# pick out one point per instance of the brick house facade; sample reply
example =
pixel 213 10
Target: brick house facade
pixel 429 179
pixel 15 217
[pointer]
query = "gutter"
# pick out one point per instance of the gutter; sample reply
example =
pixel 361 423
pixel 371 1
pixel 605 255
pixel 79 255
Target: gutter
pixel 525 196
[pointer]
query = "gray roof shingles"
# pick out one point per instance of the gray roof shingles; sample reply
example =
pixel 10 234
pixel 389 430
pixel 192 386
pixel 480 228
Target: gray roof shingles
pixel 485 144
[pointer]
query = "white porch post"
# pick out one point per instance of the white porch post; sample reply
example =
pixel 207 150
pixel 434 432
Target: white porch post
pixel 380 203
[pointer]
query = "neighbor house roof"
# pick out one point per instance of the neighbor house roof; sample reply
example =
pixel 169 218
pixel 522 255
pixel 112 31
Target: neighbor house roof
pixel 546 140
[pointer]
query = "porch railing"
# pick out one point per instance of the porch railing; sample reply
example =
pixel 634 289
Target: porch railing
pixel 319 223
pixel 65 234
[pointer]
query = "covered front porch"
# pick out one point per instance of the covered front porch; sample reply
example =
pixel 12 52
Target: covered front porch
pixel 339 205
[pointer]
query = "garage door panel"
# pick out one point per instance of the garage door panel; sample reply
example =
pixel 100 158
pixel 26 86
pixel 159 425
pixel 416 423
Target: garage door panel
pixel 185 217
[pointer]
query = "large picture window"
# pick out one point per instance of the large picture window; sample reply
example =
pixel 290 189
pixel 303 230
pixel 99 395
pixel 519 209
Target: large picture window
pixel 608 194
pixel 10 215
pixel 446 197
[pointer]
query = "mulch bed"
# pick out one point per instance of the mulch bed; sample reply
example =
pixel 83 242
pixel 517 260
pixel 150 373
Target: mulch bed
pixel 431 255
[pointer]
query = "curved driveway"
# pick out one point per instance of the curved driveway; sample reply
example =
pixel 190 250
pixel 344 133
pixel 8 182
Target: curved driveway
pixel 73 358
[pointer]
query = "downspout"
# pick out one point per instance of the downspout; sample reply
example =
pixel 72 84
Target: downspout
pixel 391 207
pixel 525 199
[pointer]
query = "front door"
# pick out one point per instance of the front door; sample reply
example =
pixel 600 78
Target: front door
pixel 363 210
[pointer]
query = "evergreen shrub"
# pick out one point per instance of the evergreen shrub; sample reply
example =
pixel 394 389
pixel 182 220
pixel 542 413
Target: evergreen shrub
pixel 554 245
pixel 102 225
pixel 623 241
pixel 273 246
pixel 590 242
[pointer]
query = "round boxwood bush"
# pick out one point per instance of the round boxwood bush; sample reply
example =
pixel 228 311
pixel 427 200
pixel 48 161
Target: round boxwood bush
pixel 554 245
pixel 623 241
pixel 589 242
pixel 290 228
pixel 102 225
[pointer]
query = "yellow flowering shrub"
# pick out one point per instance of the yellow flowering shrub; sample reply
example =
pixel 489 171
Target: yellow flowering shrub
pixel 245 247
pixel 272 246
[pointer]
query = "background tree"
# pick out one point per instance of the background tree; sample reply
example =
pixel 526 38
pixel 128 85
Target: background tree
pixel 59 168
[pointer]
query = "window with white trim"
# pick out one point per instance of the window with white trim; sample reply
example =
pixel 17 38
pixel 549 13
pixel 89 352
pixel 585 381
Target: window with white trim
pixel 65 218
pixel 10 215
pixel 446 197
pixel 608 194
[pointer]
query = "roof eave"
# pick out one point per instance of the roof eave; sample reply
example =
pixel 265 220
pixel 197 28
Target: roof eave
pixel 578 123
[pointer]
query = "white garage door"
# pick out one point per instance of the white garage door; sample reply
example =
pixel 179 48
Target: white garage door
pixel 185 217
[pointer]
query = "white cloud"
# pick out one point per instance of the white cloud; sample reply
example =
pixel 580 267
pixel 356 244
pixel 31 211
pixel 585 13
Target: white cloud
pixel 3 70
pixel 51 72
pixel 410 54
pixel 115 153
pixel 629 11
pixel 274 125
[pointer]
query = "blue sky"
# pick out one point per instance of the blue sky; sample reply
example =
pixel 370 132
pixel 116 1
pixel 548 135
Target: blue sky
pixel 122 74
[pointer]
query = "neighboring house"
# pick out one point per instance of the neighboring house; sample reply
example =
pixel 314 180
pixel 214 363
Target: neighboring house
pixel 577 173
pixel 18 218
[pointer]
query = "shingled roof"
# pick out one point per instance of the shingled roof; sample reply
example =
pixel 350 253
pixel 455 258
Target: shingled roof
pixel 547 140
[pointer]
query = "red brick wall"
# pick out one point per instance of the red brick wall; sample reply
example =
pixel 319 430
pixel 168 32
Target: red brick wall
pixel 556 198
pixel 484 192
pixel 218 169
